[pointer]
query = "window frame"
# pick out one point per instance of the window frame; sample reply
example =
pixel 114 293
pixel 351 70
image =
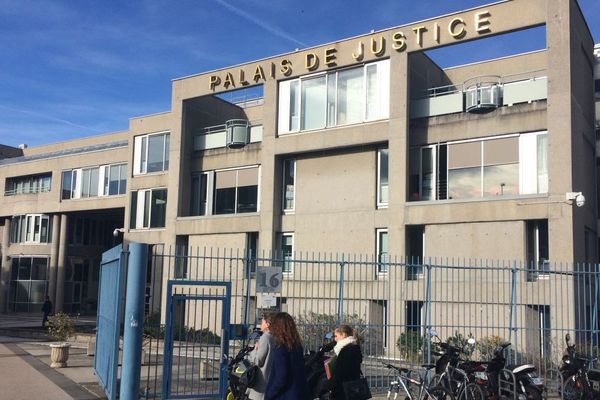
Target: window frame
pixel 380 203
pixel 141 145
pixel 534 267
pixel 28 226
pixel 214 190
pixel 291 210
pixel 143 214
pixel 378 233
pixel 285 123
pixel 280 238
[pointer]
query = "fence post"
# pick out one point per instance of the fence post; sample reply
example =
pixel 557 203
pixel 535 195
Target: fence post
pixel 341 293
pixel 512 308
pixel 134 321
pixel 249 285
pixel 428 310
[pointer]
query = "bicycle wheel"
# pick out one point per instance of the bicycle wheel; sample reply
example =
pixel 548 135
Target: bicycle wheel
pixel 471 392
pixel 439 393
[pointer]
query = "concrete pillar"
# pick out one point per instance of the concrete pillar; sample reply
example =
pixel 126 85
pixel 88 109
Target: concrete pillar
pixel 62 262
pixel 54 256
pixel 5 263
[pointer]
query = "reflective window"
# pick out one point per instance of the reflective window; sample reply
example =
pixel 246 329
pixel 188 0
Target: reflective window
pixel 382 178
pixel 28 184
pixel 150 208
pixel 151 153
pixel 334 98
pixel 28 284
pixel 382 251
pixel 289 177
pixel 105 180
pixel 286 251
pixel 236 191
pixel 30 228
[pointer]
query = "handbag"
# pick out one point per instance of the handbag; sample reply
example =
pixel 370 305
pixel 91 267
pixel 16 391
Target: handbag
pixel 357 389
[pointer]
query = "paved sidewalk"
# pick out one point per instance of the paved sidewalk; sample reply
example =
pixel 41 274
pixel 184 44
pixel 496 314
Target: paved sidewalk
pixel 25 371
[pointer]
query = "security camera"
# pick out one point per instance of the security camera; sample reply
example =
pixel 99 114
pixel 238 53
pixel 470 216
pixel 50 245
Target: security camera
pixel 578 197
pixel 117 231
pixel 580 200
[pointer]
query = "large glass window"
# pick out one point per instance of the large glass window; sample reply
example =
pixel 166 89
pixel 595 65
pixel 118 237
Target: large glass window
pixel 335 98
pixel 151 153
pixel 28 184
pixel 501 166
pixel 150 208
pixel 31 228
pixel 414 244
pixel 382 178
pixel 106 180
pixel 289 178
pixel 28 284
pixel 236 191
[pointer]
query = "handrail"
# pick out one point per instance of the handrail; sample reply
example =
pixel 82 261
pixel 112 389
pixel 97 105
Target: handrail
pixel 12 192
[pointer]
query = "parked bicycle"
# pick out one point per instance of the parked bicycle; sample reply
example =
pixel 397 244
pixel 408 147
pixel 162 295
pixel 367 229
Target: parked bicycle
pixel 401 380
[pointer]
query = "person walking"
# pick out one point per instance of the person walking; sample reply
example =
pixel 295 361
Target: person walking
pixel 47 310
pixel 287 380
pixel 262 356
pixel 347 365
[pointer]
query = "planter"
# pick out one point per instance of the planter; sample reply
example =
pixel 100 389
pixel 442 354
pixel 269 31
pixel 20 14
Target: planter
pixel 59 355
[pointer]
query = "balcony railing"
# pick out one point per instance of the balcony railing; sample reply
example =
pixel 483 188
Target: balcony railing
pixel 27 190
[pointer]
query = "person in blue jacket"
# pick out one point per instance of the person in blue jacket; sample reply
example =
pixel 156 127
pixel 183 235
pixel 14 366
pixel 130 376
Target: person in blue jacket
pixel 287 380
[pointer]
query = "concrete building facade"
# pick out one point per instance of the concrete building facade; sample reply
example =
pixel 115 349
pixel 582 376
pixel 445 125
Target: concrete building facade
pixel 362 146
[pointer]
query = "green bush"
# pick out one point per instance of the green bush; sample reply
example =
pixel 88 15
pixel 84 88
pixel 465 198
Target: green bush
pixel 314 326
pixel 61 326
pixel 462 342
pixel 411 344
pixel 486 346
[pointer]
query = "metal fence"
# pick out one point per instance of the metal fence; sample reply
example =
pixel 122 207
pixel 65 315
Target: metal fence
pixel 392 305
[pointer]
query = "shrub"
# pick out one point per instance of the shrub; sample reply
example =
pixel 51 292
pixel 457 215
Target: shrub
pixel 462 342
pixel 61 326
pixel 486 346
pixel 411 344
pixel 314 326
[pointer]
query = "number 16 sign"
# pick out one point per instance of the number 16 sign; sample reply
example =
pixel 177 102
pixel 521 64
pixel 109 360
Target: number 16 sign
pixel 268 279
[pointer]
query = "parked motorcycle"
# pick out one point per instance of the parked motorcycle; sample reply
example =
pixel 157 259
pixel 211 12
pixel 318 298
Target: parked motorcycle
pixel 238 367
pixel 505 380
pixel 579 381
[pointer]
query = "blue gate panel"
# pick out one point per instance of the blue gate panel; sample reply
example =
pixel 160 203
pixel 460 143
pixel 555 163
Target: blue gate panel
pixel 108 319
pixel 196 340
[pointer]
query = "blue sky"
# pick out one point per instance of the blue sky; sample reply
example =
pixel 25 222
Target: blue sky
pixel 79 68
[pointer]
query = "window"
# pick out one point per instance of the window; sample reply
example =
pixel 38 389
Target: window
pixel 30 228
pixel 28 184
pixel 91 231
pixel 382 178
pixel 251 251
pixel 236 191
pixel 413 315
pixel 347 96
pixel 510 165
pixel 537 249
pixel 538 331
pixel 382 251
pixel 151 153
pixel 105 180
pixel 289 179
pixel 414 245
pixel 150 208
pixel 286 251
pixel 28 284
pixel 199 196
pixel 230 191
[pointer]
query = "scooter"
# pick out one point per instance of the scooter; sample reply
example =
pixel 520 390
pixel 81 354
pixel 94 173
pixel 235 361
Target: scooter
pixel 314 365
pixel 522 379
pixel 237 369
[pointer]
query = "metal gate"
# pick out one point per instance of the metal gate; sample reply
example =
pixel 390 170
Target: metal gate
pixel 196 339
pixel 110 294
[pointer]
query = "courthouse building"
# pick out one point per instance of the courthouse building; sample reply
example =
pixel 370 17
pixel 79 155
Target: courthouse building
pixel 361 146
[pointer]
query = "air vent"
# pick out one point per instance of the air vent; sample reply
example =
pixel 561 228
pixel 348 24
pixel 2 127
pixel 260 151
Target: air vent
pixel 483 94
pixel 238 133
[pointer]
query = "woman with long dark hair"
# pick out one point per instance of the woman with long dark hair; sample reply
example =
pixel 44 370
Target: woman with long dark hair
pixel 347 365
pixel 287 380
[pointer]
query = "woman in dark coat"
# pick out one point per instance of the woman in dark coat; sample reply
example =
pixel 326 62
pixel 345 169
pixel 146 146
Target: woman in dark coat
pixel 347 365
pixel 287 380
